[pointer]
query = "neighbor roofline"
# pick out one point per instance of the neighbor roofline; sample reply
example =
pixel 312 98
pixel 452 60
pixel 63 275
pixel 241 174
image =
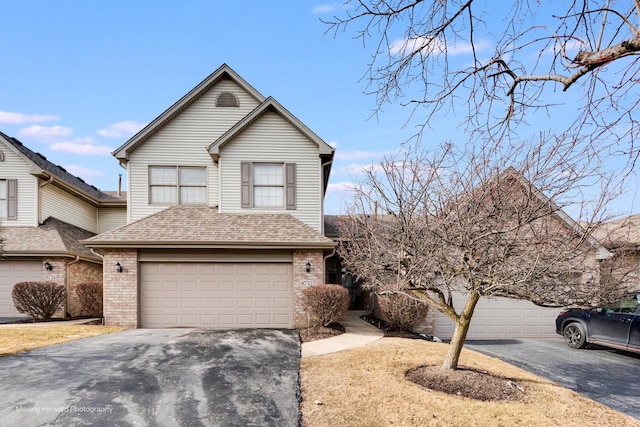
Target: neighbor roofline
pixel 40 254
pixel 122 153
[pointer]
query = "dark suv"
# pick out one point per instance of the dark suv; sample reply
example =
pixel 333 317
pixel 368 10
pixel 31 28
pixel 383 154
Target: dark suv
pixel 615 325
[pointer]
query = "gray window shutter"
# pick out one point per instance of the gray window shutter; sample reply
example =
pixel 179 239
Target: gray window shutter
pixel 12 199
pixel 245 192
pixel 290 185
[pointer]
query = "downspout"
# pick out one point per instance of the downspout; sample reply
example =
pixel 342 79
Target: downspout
pixel 324 264
pixel 42 184
pixel 66 280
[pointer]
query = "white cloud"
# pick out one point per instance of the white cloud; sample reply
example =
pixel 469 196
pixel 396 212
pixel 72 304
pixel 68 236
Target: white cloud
pixel 81 146
pixel 82 172
pixel 340 188
pixel 357 155
pixel 332 144
pixel 45 133
pixel 437 46
pixel 8 117
pixel 121 129
pixel 325 8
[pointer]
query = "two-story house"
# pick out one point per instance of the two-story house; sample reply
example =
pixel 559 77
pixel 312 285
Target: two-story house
pixel 44 212
pixel 225 214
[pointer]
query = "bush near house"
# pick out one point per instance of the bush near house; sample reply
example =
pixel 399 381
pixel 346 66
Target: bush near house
pixel 326 304
pixel 39 300
pixel 90 297
pixel 401 311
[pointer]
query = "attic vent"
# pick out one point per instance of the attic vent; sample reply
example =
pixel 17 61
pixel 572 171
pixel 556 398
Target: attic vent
pixel 227 99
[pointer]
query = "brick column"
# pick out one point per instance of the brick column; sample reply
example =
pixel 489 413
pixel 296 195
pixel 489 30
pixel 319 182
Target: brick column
pixel 302 279
pixel 120 298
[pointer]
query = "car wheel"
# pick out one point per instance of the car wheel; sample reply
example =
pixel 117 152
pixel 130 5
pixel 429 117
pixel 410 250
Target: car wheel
pixel 575 335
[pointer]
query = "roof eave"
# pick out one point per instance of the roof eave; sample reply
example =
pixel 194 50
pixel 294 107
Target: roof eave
pixel 206 245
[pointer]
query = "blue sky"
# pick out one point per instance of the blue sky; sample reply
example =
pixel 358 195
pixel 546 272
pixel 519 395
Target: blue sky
pixel 79 78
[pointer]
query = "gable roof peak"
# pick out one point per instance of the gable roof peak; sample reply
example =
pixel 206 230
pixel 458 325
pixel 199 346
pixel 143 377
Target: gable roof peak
pixel 223 72
pixel 269 105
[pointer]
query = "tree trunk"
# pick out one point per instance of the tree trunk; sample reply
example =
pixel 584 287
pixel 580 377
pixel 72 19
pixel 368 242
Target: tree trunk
pixel 460 333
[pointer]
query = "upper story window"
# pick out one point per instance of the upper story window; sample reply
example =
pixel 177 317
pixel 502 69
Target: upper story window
pixel 268 185
pixel 177 185
pixel 8 199
pixel 227 99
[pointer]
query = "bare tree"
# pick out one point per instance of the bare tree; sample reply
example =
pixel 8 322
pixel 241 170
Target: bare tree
pixel 504 62
pixel 487 221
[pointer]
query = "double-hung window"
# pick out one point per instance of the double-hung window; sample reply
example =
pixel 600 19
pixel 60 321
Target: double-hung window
pixel 8 198
pixel 268 185
pixel 177 185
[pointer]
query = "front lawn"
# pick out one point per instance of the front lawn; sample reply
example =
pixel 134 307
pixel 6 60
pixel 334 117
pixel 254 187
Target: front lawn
pixel 21 338
pixel 366 386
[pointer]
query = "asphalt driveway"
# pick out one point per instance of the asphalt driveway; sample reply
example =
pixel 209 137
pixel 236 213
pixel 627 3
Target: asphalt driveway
pixel 608 376
pixel 162 377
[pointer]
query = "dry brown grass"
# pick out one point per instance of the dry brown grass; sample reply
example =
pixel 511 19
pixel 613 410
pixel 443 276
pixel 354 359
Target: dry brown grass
pixel 21 338
pixel 366 386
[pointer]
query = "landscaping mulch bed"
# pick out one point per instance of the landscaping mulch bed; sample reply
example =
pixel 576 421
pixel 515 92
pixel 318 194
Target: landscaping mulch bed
pixel 467 383
pixel 318 332
pixel 460 382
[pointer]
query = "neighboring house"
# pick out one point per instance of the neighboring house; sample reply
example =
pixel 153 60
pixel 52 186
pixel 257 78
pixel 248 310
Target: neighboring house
pixel 225 214
pixel 622 236
pixel 44 212
pixel 497 317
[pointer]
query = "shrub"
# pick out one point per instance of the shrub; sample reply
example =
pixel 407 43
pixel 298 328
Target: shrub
pixel 401 311
pixel 326 304
pixel 90 297
pixel 39 300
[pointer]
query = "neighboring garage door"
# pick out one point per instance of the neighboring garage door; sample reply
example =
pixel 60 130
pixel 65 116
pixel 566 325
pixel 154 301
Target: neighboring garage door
pixel 499 318
pixel 12 272
pixel 216 295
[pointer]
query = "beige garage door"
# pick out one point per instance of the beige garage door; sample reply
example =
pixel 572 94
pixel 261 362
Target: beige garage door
pixel 12 272
pixel 216 295
pixel 502 318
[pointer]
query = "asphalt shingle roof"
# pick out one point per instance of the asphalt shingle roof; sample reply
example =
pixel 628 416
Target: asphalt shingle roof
pixel 59 171
pixel 52 237
pixel 204 226
pixel 620 232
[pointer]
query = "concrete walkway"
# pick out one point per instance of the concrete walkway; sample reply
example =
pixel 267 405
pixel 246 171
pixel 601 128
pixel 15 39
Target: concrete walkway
pixel 358 333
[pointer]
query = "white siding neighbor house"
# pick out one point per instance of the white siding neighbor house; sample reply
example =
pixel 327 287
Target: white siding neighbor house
pixel 44 212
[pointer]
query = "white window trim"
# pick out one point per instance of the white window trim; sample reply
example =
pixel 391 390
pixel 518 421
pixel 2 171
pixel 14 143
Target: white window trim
pixel 177 186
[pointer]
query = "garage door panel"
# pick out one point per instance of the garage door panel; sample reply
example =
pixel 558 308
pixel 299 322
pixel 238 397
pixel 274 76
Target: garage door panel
pixel 220 295
pixel 501 318
pixel 12 272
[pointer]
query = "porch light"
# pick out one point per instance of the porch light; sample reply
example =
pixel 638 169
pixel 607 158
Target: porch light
pixel 308 266
pixel 118 267
pixel 48 266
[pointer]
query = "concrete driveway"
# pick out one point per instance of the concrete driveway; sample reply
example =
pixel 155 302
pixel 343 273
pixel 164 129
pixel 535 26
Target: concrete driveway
pixel 608 376
pixel 162 377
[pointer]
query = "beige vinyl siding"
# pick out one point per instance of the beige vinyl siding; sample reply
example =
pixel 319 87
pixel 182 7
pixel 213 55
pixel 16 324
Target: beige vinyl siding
pixel 110 218
pixel 15 167
pixel 184 142
pixel 59 204
pixel 271 139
